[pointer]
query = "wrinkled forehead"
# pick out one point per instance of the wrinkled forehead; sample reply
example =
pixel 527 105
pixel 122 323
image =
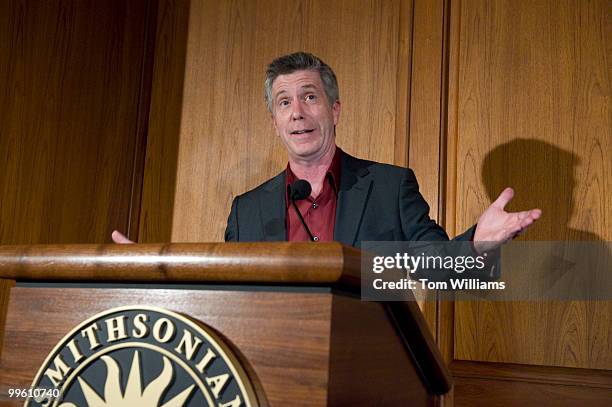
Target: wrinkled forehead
pixel 296 81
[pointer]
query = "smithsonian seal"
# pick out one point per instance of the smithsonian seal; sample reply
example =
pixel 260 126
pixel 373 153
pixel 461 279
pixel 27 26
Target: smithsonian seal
pixel 142 356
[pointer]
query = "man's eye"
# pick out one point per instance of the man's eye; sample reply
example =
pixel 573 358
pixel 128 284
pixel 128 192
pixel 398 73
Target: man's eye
pixel 311 97
pixel 283 103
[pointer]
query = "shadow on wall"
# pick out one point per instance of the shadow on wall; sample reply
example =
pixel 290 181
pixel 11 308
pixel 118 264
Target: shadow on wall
pixel 543 176
pixel 574 264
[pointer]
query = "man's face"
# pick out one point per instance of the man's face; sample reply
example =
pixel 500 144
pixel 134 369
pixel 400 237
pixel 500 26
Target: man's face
pixel 302 115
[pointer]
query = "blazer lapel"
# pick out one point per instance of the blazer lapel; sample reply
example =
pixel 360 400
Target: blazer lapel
pixel 355 187
pixel 272 208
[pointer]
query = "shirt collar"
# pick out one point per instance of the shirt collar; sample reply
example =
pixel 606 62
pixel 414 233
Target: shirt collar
pixel 332 174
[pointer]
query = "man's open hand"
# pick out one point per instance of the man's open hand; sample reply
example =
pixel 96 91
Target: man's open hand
pixel 496 226
pixel 120 238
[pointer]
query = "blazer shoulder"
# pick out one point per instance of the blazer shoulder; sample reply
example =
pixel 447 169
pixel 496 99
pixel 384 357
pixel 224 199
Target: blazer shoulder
pixel 254 214
pixel 388 172
pixel 269 185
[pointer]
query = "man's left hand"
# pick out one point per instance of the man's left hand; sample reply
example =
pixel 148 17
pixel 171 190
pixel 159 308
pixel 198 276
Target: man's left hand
pixel 496 226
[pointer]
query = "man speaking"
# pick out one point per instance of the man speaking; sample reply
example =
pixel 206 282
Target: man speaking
pixel 348 199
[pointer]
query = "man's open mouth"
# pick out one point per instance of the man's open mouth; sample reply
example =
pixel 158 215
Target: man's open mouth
pixel 302 131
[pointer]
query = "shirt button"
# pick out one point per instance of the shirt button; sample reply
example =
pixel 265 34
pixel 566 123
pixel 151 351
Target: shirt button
pixel 316 238
pixel 315 205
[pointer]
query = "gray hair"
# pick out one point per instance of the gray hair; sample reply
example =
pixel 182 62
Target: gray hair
pixel 301 61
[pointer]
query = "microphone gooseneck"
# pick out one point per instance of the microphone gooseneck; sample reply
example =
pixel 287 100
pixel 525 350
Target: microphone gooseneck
pixel 299 190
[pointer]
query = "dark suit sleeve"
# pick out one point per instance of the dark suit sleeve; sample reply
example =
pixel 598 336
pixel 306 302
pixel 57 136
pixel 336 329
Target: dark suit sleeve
pixel 231 230
pixel 414 212
pixel 415 215
pixel 417 225
pixel 468 235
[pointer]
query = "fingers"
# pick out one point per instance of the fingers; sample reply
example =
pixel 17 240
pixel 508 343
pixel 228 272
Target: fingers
pixel 119 238
pixel 527 218
pixel 524 220
pixel 503 198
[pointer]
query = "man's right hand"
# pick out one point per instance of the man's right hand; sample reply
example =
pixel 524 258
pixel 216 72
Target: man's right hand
pixel 120 238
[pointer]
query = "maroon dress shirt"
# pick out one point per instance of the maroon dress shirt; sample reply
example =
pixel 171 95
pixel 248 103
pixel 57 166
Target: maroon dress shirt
pixel 319 213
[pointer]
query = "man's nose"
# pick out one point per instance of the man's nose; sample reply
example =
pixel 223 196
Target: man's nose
pixel 296 112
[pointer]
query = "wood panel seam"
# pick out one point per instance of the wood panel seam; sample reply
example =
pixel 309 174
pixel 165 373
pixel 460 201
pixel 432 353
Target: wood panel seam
pixel 556 382
pixel 142 120
pixel 404 91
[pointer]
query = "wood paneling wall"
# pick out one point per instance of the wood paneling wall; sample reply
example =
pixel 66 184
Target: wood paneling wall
pixel 227 144
pixel 534 112
pixel 73 113
pixel 157 203
pixel 530 107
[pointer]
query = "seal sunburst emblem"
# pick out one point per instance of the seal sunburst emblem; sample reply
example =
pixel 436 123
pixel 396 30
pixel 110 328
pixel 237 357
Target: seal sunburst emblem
pixel 134 394
pixel 144 356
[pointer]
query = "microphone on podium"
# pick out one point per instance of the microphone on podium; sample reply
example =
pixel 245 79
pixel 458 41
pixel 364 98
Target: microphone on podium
pixel 299 190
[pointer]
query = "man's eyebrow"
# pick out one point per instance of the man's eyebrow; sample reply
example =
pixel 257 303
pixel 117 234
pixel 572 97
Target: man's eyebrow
pixel 308 86
pixel 279 93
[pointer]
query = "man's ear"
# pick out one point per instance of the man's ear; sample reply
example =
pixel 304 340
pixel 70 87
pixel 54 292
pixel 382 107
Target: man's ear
pixel 336 108
pixel 273 122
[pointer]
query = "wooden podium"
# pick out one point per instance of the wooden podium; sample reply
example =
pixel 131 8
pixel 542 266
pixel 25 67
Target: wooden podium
pixel 292 310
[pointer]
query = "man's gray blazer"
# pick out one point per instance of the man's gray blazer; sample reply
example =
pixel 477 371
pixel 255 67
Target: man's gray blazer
pixel 376 202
